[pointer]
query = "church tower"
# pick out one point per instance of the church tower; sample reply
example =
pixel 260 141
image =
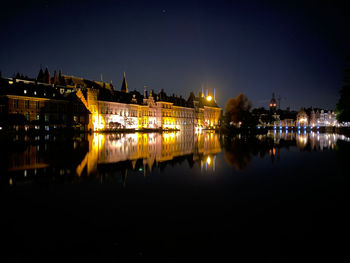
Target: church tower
pixel 124 87
pixel 273 103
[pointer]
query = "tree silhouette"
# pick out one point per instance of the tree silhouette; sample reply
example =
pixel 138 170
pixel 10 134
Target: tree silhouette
pixel 237 111
pixel 343 105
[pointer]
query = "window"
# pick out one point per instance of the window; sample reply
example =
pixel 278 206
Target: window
pixel 37 104
pixel 26 103
pixel 15 103
pixel 37 117
pixel 25 91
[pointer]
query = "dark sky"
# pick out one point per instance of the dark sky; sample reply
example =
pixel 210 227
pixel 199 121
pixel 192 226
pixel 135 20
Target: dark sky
pixel 296 49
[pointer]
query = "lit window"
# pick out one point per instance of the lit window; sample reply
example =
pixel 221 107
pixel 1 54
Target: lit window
pixel 34 92
pixel 25 91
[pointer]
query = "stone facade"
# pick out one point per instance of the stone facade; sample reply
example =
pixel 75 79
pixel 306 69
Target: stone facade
pixel 64 100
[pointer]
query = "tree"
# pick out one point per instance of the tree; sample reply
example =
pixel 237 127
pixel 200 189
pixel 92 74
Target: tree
pixel 237 111
pixel 343 106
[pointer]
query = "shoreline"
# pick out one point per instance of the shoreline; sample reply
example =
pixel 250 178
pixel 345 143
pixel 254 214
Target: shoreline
pixel 223 131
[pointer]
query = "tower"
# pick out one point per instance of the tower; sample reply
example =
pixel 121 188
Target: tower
pixel 124 87
pixel 273 103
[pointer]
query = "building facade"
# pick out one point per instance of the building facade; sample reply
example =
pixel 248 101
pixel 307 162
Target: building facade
pixel 62 101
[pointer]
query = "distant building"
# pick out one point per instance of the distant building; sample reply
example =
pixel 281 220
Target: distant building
pixel 302 118
pixel 317 118
pixel 273 103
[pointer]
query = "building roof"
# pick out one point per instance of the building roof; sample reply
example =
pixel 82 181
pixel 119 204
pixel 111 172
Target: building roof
pixel 84 83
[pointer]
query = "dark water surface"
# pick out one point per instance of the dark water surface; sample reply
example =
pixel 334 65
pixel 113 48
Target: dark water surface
pixel 175 197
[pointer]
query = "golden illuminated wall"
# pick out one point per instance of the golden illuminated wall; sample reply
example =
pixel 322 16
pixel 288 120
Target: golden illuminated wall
pixel 151 115
pixel 95 121
pixel 211 116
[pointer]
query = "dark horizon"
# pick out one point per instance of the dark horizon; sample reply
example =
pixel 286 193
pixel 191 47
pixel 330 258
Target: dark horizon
pixel 295 49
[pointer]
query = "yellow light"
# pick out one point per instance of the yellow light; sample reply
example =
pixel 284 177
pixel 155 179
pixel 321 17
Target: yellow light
pixel 208 160
pixel 98 122
pixel 209 98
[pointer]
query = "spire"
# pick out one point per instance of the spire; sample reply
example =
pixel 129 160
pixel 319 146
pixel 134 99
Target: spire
pixel 47 77
pixel 55 78
pixel 214 95
pixel 124 87
pixel 40 75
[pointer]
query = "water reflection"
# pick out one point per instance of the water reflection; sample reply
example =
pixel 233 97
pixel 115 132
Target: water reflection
pixel 240 150
pixel 148 150
pixel 307 141
pixel 109 154
pixel 106 155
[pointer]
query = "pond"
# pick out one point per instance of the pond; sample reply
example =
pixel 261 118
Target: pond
pixel 175 196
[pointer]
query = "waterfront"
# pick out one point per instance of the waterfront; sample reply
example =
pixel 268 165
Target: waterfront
pixel 175 196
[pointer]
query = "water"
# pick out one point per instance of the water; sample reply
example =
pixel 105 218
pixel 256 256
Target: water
pixel 175 196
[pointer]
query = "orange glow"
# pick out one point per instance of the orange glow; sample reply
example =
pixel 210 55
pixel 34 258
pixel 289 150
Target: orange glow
pixel 208 160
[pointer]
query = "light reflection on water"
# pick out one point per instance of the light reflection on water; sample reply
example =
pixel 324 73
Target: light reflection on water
pixel 316 140
pixel 99 153
pixel 151 148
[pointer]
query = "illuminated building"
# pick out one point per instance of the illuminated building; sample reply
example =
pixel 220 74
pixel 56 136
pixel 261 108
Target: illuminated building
pixel 112 109
pixel 302 118
pixel 29 104
pixel 273 103
pixel 97 106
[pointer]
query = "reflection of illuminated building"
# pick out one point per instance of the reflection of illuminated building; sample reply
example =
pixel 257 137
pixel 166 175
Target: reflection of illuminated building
pixel 27 160
pixel 208 163
pixel 301 140
pixel 313 140
pixel 152 148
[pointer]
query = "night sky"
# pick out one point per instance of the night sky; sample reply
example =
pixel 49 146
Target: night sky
pixel 296 49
